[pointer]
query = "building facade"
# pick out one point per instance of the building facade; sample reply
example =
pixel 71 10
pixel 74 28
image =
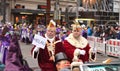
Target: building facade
pixel 31 11
pixel 20 11
pixel 103 11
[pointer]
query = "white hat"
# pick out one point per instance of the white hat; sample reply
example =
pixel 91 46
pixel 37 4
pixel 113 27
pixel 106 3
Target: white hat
pixel 51 25
pixel 83 26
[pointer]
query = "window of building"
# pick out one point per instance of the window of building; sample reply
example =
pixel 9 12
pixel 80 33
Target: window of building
pixel 19 6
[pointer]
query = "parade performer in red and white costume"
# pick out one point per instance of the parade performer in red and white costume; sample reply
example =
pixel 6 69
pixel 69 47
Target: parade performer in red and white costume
pixel 76 41
pixel 54 45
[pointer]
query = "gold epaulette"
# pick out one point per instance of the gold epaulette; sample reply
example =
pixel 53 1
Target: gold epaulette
pixel 57 41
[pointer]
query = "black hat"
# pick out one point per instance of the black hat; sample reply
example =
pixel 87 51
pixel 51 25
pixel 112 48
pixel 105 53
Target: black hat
pixel 60 56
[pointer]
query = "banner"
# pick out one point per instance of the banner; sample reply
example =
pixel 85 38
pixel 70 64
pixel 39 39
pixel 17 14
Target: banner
pixel 39 41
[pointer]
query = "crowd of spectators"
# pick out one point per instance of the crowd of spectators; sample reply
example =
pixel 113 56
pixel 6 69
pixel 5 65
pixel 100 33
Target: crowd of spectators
pixel 107 32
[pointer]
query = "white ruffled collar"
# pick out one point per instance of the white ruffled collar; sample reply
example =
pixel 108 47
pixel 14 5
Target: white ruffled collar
pixel 82 43
pixel 51 40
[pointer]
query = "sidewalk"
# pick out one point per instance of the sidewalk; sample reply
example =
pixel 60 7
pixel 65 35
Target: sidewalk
pixel 26 51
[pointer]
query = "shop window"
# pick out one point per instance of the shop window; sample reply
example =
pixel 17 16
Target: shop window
pixel 42 6
pixel 18 6
pixel 17 19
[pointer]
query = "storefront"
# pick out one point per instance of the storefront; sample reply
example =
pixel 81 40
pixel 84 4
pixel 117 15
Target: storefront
pixel 28 16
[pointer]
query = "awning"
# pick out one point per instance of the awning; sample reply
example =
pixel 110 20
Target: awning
pixel 26 11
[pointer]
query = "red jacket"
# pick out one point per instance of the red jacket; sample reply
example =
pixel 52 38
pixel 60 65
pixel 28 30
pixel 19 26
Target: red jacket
pixel 43 56
pixel 69 49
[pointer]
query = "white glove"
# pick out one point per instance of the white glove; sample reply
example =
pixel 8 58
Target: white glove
pixel 93 50
pixel 35 52
pixel 82 52
pixel 76 52
pixel 36 49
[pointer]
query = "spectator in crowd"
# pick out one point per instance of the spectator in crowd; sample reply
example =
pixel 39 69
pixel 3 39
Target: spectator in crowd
pixel 98 32
pixel 84 31
pixel 45 56
pixel 111 34
pixel 118 33
pixel 89 31
pixel 76 41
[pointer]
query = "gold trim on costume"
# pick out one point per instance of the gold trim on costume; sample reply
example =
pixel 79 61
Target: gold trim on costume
pixel 51 48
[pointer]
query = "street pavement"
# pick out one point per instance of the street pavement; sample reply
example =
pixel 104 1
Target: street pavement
pixel 26 51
